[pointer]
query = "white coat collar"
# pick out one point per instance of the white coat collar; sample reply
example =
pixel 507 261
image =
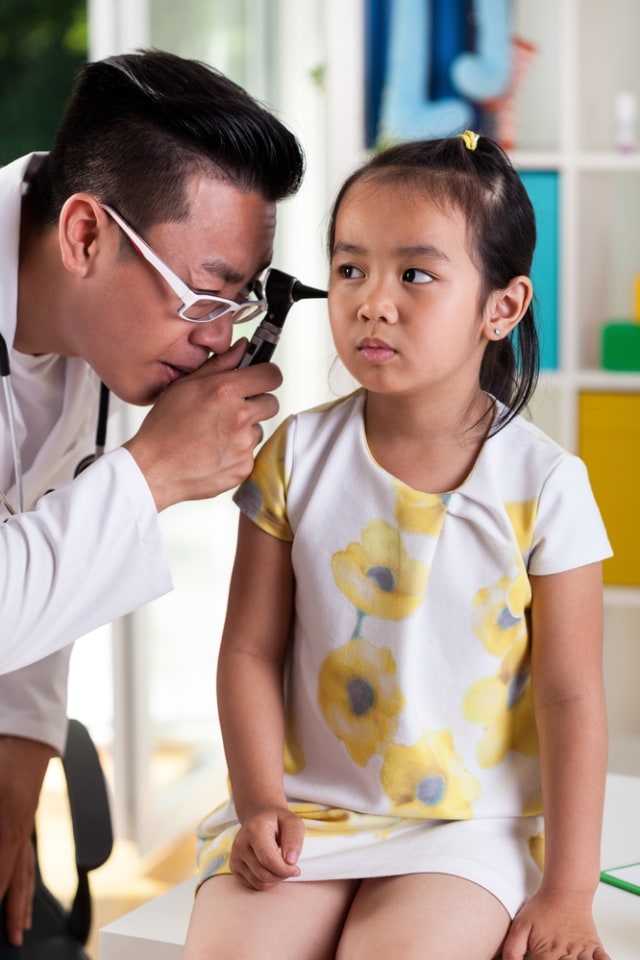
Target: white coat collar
pixel 12 179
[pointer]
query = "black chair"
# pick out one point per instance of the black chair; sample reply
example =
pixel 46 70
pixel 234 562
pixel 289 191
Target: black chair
pixel 58 933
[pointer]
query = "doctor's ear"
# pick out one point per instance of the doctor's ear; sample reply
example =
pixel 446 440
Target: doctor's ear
pixel 79 225
pixel 506 308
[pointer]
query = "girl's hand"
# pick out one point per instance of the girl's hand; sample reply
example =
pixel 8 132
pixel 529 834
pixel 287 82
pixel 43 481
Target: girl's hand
pixel 551 926
pixel 267 848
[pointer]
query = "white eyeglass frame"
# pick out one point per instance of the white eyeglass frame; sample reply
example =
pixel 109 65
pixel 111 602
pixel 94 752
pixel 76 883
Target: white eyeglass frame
pixel 248 308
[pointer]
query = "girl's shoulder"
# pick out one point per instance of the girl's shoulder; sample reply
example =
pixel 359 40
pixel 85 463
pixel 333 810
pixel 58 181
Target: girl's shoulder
pixel 332 409
pixel 522 440
pixel 521 461
pixel 320 425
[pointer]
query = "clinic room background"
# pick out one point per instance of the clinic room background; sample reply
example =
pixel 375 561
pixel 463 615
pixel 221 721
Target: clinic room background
pixel 560 91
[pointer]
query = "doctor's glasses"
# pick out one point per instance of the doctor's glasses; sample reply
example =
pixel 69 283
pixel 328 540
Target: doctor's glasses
pixel 196 307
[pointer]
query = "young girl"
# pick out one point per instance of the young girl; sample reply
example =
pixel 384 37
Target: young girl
pixel 414 621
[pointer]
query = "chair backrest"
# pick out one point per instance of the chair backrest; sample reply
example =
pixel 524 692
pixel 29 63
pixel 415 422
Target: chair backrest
pixel 58 933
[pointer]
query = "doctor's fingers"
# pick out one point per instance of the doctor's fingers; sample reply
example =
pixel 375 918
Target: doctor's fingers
pixel 18 902
pixel 246 381
pixel 262 407
pixel 23 763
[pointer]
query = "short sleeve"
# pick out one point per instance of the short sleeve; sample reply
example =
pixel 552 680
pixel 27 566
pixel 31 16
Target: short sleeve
pixel 569 531
pixel 263 496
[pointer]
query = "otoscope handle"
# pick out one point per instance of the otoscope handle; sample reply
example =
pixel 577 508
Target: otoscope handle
pixel 262 344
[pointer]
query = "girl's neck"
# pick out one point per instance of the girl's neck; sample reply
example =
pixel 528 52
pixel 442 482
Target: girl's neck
pixel 430 448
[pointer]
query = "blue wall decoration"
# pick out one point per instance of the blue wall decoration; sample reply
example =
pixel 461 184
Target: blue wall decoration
pixel 433 65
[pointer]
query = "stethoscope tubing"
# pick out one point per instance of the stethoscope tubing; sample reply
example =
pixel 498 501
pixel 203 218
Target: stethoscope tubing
pixel 5 372
pixel 101 431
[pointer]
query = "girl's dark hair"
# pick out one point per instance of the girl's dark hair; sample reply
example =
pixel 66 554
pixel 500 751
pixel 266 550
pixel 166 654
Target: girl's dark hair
pixel 139 124
pixel 485 187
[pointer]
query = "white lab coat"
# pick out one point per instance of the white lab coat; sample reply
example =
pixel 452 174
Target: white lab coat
pixel 85 553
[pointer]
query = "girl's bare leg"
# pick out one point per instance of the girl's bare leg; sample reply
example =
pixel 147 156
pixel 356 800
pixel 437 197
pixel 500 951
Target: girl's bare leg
pixel 290 921
pixel 423 915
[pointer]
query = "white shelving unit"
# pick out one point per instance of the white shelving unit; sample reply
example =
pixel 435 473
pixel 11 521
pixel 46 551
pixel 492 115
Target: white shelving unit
pixel 585 58
pixel 585 54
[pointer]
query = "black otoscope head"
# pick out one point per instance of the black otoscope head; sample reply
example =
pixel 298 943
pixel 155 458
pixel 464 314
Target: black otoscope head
pixel 281 290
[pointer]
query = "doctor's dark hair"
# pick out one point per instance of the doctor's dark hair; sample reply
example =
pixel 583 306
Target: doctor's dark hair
pixel 138 125
pixel 483 184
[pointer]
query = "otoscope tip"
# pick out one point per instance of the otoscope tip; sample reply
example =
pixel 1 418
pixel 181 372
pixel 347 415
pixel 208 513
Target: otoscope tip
pixel 300 291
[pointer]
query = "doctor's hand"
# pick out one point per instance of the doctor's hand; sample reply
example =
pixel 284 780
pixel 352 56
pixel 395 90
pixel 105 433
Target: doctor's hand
pixel 199 438
pixel 23 764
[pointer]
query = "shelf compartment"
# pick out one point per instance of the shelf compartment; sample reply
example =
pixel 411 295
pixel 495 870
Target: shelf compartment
pixel 543 187
pixel 608 64
pixel 609 443
pixel 606 251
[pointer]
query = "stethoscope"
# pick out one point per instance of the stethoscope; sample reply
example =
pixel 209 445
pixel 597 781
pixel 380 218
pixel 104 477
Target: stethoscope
pixel 282 290
pixel 101 431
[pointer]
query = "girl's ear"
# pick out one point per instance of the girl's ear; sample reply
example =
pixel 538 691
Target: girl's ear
pixel 506 308
pixel 79 224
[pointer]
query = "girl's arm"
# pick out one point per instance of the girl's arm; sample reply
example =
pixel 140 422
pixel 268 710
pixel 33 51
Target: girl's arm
pixel 250 703
pixel 568 694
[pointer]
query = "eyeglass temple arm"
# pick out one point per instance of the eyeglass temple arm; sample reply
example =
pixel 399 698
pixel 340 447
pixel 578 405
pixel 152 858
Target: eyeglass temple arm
pixel 281 291
pixel 179 287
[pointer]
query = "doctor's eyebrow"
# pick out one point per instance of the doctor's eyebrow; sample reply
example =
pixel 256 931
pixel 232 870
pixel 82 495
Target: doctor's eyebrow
pixel 222 270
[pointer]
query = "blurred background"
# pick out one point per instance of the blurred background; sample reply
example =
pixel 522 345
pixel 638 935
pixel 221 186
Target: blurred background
pixel 558 85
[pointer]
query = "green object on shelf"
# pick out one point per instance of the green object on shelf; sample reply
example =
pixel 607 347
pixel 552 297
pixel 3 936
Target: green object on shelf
pixel 621 345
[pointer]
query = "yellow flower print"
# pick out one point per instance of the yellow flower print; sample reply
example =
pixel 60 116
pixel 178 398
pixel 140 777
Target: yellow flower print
pixel 533 804
pixel 334 821
pixel 419 512
pixel 536 849
pixel 377 576
pixel 499 612
pixel 319 820
pixel 522 515
pixel 360 698
pixel 215 860
pixel 263 495
pixel 429 779
pixel 504 706
pixel 294 759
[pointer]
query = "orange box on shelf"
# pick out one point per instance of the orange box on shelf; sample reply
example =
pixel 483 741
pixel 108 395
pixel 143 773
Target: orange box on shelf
pixel 609 443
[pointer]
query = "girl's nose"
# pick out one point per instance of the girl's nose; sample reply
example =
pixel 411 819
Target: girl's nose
pixel 378 304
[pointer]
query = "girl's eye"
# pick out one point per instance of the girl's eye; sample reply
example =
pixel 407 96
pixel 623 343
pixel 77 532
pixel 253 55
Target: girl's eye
pixel 413 275
pixel 349 272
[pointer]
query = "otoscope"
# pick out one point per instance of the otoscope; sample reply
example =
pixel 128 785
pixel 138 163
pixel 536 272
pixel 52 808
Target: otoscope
pixel 281 291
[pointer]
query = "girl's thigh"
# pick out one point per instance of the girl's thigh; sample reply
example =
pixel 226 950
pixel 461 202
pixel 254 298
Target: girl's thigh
pixel 290 921
pixel 418 916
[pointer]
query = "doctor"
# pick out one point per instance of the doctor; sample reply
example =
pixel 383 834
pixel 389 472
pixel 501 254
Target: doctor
pixel 126 256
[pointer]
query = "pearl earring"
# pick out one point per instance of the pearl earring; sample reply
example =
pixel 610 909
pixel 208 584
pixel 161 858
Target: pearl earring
pixel 497 331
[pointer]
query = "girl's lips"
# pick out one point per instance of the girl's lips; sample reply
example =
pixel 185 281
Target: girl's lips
pixel 375 351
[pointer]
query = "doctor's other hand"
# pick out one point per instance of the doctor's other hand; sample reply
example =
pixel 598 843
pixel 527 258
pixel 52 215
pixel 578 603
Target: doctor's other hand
pixel 198 439
pixel 23 764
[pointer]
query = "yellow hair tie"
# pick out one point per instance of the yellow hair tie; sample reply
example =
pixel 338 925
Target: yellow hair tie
pixel 470 139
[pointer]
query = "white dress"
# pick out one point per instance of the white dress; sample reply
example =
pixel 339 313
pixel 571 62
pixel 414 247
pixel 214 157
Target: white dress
pixel 408 700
